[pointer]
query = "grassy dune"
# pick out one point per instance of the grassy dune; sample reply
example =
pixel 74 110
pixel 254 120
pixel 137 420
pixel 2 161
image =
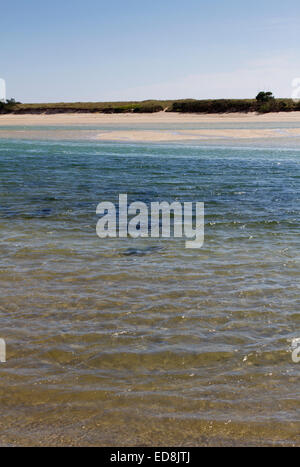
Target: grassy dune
pixel 206 106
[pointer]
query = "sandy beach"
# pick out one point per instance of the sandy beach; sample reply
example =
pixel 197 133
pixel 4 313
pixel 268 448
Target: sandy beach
pixel 158 117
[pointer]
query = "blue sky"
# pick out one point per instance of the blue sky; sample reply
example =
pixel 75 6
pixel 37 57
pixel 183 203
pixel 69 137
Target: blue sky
pixel 94 50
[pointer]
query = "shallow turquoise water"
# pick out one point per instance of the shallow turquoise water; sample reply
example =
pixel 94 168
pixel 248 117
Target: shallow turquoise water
pixel 130 341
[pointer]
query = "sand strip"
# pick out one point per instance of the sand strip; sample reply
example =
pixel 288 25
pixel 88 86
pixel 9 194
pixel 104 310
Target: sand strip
pixel 159 118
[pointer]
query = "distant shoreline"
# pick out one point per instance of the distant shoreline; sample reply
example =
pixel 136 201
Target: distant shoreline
pixel 183 106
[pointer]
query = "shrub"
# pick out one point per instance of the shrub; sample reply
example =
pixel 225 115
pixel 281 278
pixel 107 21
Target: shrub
pixel 263 96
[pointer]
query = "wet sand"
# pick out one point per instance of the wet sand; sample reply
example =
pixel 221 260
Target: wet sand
pixel 168 127
pixel 191 135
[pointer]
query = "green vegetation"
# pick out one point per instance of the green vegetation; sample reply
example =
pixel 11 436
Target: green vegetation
pixel 263 96
pixel 210 106
pixel 148 106
pixel 8 106
pixel 278 105
pixel 265 102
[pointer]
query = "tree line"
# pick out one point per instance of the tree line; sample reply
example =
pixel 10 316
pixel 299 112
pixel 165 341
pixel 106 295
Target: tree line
pixel 263 103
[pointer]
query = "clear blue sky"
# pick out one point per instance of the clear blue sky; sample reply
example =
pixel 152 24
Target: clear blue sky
pixel 71 50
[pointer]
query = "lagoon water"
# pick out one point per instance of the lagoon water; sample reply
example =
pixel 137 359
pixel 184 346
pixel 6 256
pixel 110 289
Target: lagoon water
pixel 144 342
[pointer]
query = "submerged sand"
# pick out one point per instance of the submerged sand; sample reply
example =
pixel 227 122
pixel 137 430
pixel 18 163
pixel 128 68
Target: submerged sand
pixel 191 135
pixel 162 134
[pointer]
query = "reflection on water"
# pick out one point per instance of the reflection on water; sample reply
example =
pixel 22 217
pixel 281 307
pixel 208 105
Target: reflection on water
pixel 143 342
